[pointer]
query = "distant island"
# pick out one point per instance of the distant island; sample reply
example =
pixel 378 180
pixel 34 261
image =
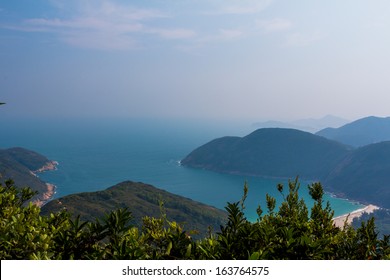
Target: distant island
pixel 362 174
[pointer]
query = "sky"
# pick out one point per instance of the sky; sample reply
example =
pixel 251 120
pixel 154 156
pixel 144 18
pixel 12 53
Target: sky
pixel 222 59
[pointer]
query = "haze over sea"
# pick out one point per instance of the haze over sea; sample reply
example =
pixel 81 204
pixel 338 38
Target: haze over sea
pixel 96 154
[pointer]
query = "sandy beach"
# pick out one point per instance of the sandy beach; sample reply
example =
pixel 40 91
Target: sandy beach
pixel 339 221
pixel 44 197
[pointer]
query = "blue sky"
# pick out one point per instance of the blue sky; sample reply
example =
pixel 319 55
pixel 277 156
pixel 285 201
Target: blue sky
pixel 225 60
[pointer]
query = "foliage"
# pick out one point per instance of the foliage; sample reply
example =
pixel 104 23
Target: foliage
pixel 142 200
pixel 17 163
pixel 289 232
pixel 382 220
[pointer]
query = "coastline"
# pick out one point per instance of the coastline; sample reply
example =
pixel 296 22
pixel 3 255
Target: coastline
pixel 348 218
pixel 49 166
pixel 46 196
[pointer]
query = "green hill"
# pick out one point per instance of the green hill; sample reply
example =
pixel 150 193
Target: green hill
pixel 274 152
pixel 361 132
pixel 142 200
pixel 364 175
pixel 18 164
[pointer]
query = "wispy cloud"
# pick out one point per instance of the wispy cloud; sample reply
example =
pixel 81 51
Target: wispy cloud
pixel 219 36
pixel 199 43
pixel 274 25
pixel 302 40
pixel 172 33
pixel 233 7
pixel 104 25
pixel 230 34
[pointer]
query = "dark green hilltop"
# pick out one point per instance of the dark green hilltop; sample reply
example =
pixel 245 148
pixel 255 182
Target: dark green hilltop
pixel 362 173
pixel 142 200
pixel 270 152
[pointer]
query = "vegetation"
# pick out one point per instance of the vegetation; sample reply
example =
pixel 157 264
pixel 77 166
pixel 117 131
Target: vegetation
pixel 17 163
pixel 287 233
pixel 142 200
pixel 273 152
pixel 364 175
pixel 382 220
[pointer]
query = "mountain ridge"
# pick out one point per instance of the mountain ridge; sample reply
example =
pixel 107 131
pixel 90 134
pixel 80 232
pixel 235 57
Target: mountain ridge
pixel 311 125
pixel 364 131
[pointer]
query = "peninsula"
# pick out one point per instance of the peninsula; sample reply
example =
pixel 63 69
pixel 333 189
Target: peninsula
pixel 23 166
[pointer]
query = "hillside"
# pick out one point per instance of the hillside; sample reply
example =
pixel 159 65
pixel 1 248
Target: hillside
pixel 274 152
pixel 359 133
pixel 364 175
pixel 142 200
pixel 18 164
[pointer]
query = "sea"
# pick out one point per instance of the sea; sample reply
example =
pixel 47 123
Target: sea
pixel 94 154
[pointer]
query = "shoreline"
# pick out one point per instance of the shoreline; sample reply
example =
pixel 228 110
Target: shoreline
pixel 49 166
pixel 46 196
pixel 348 218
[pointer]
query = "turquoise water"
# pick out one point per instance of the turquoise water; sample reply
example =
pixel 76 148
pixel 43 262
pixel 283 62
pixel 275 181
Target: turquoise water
pixel 97 154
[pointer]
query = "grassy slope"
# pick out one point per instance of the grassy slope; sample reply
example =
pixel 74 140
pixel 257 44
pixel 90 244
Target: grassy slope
pixel 142 200
pixel 364 175
pixel 17 164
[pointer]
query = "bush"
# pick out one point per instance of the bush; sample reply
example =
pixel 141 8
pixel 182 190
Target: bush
pixel 288 233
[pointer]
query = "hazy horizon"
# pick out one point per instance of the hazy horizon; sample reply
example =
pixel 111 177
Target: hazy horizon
pixel 248 60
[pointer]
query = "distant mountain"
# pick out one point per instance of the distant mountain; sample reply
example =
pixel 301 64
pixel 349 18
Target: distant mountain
pixel 274 152
pixel 142 200
pixel 309 125
pixel 364 175
pixel 19 164
pixel 361 132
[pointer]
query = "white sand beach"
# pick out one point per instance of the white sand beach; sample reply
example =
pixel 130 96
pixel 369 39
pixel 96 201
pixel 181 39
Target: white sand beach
pixel 340 220
pixel 46 196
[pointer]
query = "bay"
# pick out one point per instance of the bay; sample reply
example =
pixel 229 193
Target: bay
pixel 95 154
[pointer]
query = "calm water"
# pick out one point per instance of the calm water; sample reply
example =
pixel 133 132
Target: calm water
pixel 94 155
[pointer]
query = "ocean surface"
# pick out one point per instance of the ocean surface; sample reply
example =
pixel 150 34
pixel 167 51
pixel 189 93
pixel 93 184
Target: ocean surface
pixel 96 154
